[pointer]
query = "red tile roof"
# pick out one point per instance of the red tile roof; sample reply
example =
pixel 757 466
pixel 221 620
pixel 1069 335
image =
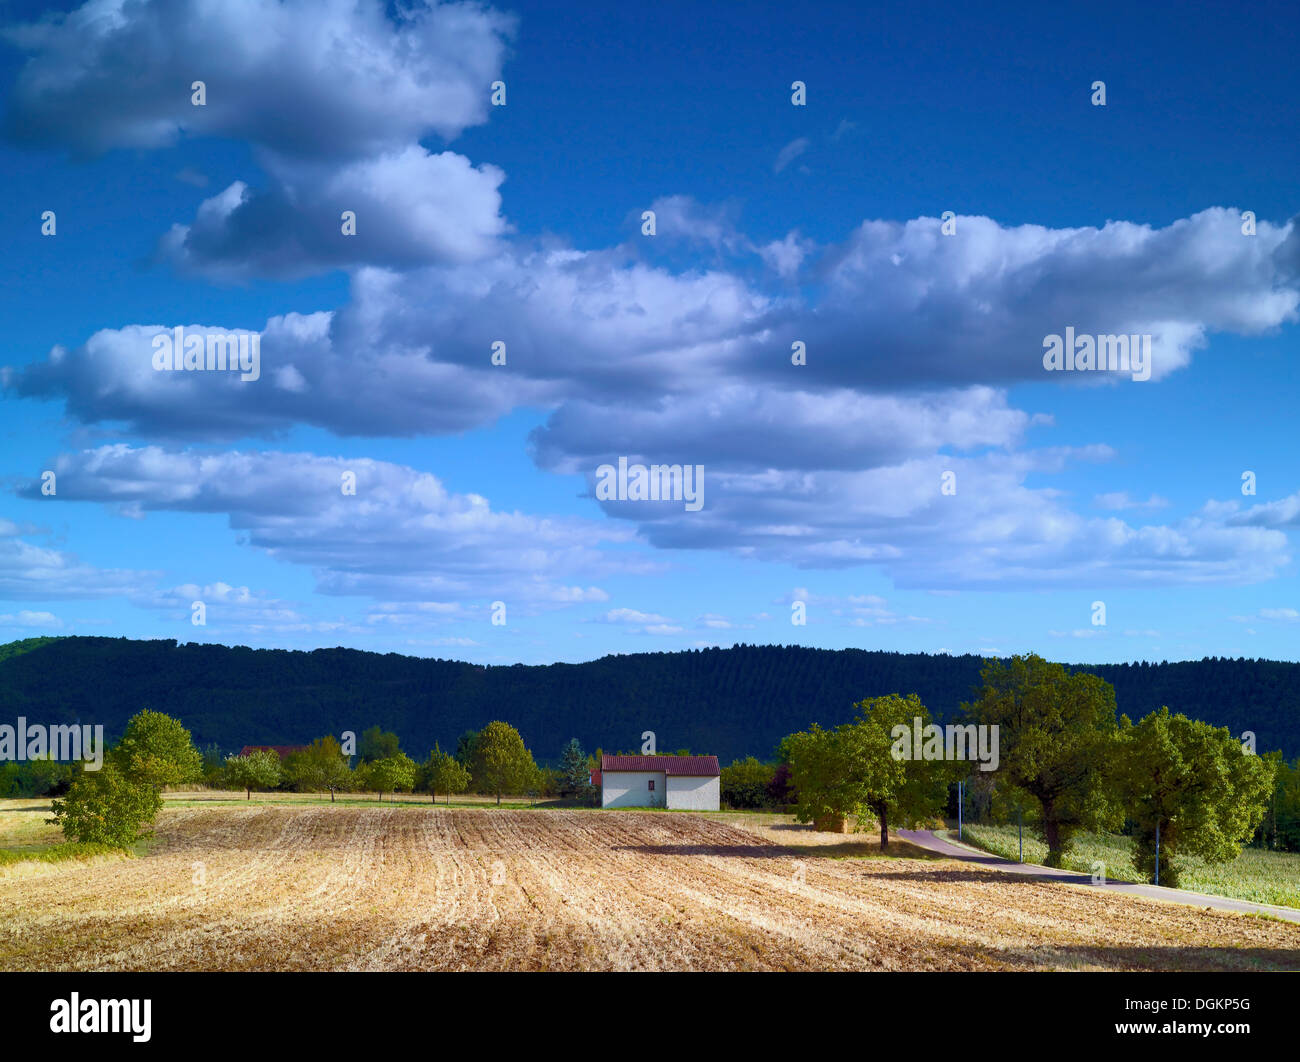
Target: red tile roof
pixel 670 765
pixel 280 750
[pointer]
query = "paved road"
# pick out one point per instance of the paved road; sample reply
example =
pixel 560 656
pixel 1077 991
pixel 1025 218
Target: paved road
pixel 953 850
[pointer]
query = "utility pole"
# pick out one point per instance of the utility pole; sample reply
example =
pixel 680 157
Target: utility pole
pixel 1157 851
pixel 960 786
pixel 1020 828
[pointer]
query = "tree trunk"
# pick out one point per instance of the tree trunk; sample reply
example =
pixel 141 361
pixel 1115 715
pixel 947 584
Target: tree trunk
pixel 250 795
pixel 1052 835
pixel 498 798
pixel 884 828
pixel 331 796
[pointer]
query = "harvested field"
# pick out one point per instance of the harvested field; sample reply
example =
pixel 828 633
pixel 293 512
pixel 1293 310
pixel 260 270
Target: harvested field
pixel 326 887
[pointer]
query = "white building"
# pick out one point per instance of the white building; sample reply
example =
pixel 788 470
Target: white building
pixel 691 782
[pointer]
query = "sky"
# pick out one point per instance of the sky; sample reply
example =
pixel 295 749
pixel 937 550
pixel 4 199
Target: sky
pixel 866 226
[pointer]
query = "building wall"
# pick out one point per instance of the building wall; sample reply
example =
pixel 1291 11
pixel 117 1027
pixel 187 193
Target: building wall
pixel 696 793
pixel 628 789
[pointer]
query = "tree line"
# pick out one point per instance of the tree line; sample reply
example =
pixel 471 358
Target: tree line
pixel 732 703
pixel 117 804
pixel 1176 786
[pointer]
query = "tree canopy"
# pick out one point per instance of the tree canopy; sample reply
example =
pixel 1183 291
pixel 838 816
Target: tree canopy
pixel 1196 784
pixel 1056 731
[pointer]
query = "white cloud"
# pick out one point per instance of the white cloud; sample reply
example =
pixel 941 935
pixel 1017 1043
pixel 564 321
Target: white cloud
pixel 28 619
pixel 305 78
pixel 402 537
pixel 789 153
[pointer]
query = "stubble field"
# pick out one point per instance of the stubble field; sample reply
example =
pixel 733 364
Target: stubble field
pixel 321 887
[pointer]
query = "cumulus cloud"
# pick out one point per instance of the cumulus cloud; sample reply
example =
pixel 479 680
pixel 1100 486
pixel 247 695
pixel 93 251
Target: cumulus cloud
pixel 904 304
pixel 29 572
pixel 749 427
pixel 693 367
pixel 333 97
pixel 402 537
pixel 994 532
pixel 901 309
pixel 410 208
pixel 302 78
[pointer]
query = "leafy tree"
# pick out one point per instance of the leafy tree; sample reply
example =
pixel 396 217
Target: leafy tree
pixel 320 766
pixel 549 782
pixel 780 790
pixel 443 773
pixel 575 776
pixel 745 783
pixel 107 807
pixel 392 774
pixel 467 749
pixel 1196 784
pixel 1284 813
pixel 260 769
pixel 906 791
pixel 1056 730
pixel 214 764
pixel 501 762
pixel 376 744
pixel 833 772
pixel 44 775
pixel 157 750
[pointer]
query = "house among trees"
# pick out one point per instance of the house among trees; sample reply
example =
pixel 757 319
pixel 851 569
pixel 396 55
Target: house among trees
pixel 690 782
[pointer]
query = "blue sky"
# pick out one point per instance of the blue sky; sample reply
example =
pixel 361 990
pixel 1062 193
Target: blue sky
pixel 774 223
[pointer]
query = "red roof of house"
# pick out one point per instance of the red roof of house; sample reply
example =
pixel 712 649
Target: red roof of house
pixel 670 765
pixel 280 750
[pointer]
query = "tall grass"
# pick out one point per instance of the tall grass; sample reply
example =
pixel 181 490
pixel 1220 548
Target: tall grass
pixel 1256 875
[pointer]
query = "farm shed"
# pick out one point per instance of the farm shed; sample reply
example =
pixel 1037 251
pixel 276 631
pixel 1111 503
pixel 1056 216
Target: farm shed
pixel 691 782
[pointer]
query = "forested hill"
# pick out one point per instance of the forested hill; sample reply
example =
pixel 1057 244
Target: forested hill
pixel 732 702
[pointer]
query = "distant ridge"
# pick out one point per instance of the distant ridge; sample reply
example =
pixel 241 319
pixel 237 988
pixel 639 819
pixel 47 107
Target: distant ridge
pixel 728 702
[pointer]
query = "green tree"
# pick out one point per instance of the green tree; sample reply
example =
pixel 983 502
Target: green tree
pixel 744 784
pixel 392 774
pixel 45 775
pixel 320 766
pixel 260 769
pixel 443 773
pixel 376 744
pixel 501 762
pixel 575 776
pixel 157 750
pixel 467 750
pixel 1056 731
pixel 1283 822
pixel 106 807
pixel 1195 784
pixel 832 772
pixel 907 790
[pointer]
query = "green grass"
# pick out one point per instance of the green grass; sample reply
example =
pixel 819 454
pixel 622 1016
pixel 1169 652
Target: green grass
pixel 1256 875
pixel 55 853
